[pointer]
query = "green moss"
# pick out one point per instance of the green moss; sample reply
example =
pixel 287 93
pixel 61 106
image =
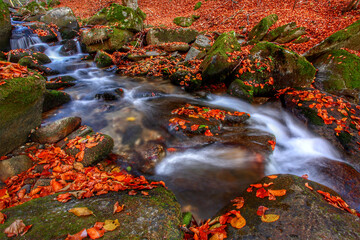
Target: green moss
pixel 344 138
pixel 141 13
pixel 238 89
pixel 345 34
pixel 277 32
pixel 260 30
pixel 312 116
pixel 183 21
pixel 103 60
pixel 305 67
pixel 197 6
pixel 53 98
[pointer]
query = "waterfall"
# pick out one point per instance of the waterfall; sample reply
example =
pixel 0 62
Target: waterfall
pixel 23 38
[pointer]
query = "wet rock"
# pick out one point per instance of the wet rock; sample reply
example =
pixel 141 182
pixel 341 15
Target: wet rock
pixel 45 32
pixel 60 82
pixel 259 31
pixel 21 101
pixel 70 47
pixel 298 209
pixel 119 16
pixel 215 67
pixel 56 131
pixel 40 57
pixel 156 216
pixel 82 131
pixel 238 89
pixel 279 32
pixel 54 98
pixel 173 47
pixel 192 54
pixel 32 11
pixel 157 36
pixel 151 154
pixel 338 70
pixel 32 63
pixel 65 19
pixel 13 166
pixel 96 153
pixel 146 92
pixel 202 42
pixel 187 79
pixel 106 96
pixel 102 59
pixel 5 27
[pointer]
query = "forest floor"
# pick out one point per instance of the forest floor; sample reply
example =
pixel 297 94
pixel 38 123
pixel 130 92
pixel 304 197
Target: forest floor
pixel 320 17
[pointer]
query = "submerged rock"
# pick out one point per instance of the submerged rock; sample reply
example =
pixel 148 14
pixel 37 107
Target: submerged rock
pixel 156 216
pixel 303 213
pixel 60 82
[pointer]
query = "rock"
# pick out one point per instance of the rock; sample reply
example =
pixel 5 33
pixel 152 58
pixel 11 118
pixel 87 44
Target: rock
pixel 106 39
pixel 137 58
pixel 346 38
pixel 291 35
pixel 186 79
pixel 151 154
pixel 13 166
pixel 338 70
pixel 279 32
pixel 21 101
pixel 238 89
pixel 40 57
pixel 298 209
pixel 56 131
pixel 83 131
pixel 192 54
pixel 215 67
pixel 301 39
pixel 32 11
pixel 5 27
pixel 183 21
pixel 65 19
pixel 45 32
pixel 106 96
pixel 119 16
pixel 102 59
pixel 156 216
pixel 70 47
pixel 173 47
pixel 53 99
pixel 157 36
pixel 60 82
pixel 96 153
pixel 329 116
pixel 202 42
pixel 259 31
pixel 281 68
pixel 32 63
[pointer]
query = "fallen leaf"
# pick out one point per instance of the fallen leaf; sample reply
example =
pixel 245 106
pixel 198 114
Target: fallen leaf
pixel 26 229
pixel 78 236
pixel 238 221
pixel 261 210
pixel 130 119
pixel 118 208
pixel 95 233
pixel 270 218
pixel 307 185
pixel 2 218
pixel 277 193
pixel 238 202
pixel 15 228
pixel 272 176
pixel 132 193
pixel 261 193
pixel 111 225
pixel 81 211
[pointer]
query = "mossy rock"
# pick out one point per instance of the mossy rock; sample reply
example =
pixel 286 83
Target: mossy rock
pixel 60 82
pixel 183 21
pixel 287 69
pixel 140 13
pixel 33 63
pixel 346 38
pixel 279 31
pixel 215 67
pixel 298 209
pixel 50 35
pixel 238 89
pixel 102 59
pixel 32 9
pixel 259 31
pixel 197 6
pixel 5 27
pixel 158 36
pixel 179 78
pixel 338 70
pixel 120 17
pixel 21 102
pixel 156 216
pixel 291 35
pixel 105 39
pixel 65 19
pixel 53 99
pixel 40 57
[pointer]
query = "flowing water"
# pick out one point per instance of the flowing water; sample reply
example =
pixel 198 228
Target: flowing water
pixel 204 178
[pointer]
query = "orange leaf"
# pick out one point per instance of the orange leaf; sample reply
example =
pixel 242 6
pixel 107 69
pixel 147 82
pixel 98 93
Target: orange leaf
pixel 56 185
pixel 15 228
pixel 277 193
pixel 2 218
pixel 261 210
pixel 78 236
pixel 238 202
pixel 261 193
pixel 238 221
pixel 118 208
pixel 208 133
pixel 95 233
pixel 270 218
pixel 307 185
pixel 64 197
pixel 81 211
pixel 132 193
pixel 272 176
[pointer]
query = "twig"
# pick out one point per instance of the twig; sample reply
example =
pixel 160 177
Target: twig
pixel 231 17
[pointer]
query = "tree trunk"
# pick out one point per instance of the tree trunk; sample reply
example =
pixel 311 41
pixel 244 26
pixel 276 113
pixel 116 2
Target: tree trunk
pixel 352 5
pixel 131 4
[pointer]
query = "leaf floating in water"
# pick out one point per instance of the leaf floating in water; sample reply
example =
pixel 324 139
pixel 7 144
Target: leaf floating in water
pixel 270 218
pixel 81 211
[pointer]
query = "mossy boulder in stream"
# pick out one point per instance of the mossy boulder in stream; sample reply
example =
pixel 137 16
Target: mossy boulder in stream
pixel 32 11
pixel 53 99
pixel 102 59
pixel 34 63
pixel 346 38
pixel 120 17
pixel 21 102
pixel 5 26
pixel 215 67
pixel 156 216
pixel 338 70
pixel 259 31
pixel 303 213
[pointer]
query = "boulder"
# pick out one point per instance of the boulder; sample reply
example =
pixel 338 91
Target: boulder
pixel 279 32
pixel 156 216
pixel 32 11
pixel 60 82
pixel 291 35
pixel 102 59
pixel 346 38
pixel 157 36
pixel 106 39
pixel 83 131
pixel 13 166
pixel 273 68
pixel 183 21
pixel 70 47
pixel 215 67
pixel 32 63
pixel 303 213
pixel 240 90
pixel 259 30
pixel 338 70
pixel 202 42
pixel 118 16
pixel 5 27
pixel 151 154
pixel 56 131
pixel 45 32
pixel 21 101
pixel 173 47
pixel 65 19
pixel 192 54
pixel 187 79
pixel 41 58
pixel 53 99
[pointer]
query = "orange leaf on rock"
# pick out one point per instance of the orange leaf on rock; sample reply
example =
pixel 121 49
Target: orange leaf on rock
pixel 56 185
pixel 238 221
pixel 15 228
pixel 272 176
pixel 270 218
pixel 307 185
pixel 257 185
pixel 132 193
pixel 261 210
pixel 238 202
pixel 2 218
pixel 26 229
pixel 261 193
pixel 118 208
pixel 277 193
pixel 64 197
pixel 95 233
pixel 78 236
pixel 81 211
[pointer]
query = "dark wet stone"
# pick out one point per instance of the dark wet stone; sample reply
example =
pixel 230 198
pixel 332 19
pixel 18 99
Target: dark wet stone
pixel 13 166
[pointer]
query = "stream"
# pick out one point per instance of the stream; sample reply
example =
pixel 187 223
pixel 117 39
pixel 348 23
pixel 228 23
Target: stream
pixel 203 177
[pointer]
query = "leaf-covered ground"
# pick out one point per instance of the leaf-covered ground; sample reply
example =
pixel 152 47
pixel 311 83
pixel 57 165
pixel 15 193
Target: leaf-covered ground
pixel 320 17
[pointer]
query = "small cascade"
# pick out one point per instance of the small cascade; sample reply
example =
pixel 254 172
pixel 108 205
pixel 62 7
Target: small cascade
pixel 22 37
pixel 78 47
